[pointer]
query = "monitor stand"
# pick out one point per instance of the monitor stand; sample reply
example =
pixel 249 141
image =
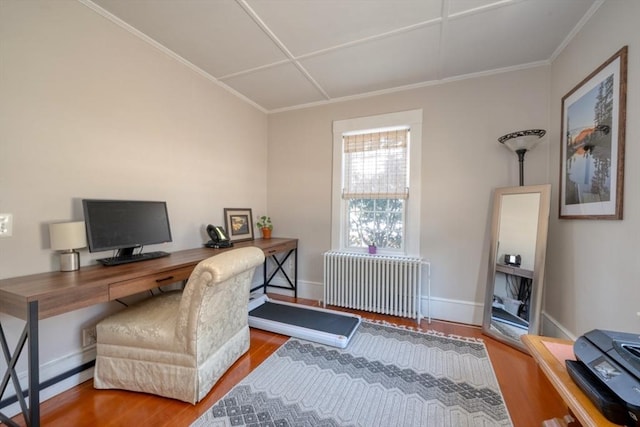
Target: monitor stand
pixel 126 252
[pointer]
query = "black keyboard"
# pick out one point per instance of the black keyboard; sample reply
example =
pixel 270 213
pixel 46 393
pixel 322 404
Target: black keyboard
pixel 118 260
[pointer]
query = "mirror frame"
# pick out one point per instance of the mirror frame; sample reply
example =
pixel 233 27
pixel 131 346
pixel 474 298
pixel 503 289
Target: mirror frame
pixel 537 282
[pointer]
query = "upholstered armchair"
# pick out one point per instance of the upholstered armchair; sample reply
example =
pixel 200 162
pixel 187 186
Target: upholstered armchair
pixel 179 343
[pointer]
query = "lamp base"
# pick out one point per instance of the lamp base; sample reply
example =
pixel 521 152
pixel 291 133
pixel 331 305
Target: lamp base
pixel 69 261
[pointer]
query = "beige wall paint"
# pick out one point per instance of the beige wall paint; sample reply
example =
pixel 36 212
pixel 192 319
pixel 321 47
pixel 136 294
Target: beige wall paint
pixel 592 266
pixel 462 163
pixel 88 110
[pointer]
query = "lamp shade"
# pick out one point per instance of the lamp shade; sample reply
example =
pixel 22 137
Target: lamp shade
pixel 523 139
pixel 67 235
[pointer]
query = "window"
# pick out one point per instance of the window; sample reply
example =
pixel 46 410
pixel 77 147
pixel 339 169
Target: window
pixel 375 187
pixel 376 183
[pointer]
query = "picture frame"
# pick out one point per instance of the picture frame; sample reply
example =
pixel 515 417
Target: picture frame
pixel 239 224
pixel 593 142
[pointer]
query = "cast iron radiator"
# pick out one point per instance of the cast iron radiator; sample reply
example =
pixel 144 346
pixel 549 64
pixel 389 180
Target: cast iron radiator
pixel 377 283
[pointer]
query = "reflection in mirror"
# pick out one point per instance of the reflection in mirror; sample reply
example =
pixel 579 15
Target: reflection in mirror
pixel 516 262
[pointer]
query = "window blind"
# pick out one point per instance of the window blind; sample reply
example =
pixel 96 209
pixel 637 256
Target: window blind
pixel 375 165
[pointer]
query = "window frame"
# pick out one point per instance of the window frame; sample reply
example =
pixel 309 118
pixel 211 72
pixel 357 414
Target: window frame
pixel 411 119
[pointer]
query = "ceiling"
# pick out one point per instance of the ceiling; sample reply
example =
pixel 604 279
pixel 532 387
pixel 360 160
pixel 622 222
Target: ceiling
pixel 285 54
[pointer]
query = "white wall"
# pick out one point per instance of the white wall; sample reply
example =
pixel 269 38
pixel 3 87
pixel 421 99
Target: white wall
pixel 592 266
pixel 462 163
pixel 89 110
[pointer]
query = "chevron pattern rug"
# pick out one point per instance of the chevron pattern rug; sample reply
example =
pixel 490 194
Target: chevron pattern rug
pixel 387 376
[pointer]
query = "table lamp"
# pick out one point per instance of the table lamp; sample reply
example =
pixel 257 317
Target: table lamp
pixel 66 237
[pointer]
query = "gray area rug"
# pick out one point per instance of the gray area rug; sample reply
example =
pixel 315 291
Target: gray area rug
pixel 387 376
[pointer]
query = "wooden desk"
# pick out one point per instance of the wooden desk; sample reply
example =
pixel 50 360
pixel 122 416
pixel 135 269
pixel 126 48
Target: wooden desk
pixel 44 295
pixel 514 271
pixel 550 354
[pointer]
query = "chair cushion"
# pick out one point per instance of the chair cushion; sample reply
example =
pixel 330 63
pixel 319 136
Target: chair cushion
pixel 150 324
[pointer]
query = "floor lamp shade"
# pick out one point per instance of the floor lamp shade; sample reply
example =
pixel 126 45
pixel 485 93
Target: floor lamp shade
pixel 65 237
pixel 520 142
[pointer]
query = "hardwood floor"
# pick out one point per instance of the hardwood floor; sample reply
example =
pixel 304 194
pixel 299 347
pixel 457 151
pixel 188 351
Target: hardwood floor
pixel 529 396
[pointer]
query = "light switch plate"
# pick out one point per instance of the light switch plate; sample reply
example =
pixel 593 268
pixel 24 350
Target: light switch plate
pixel 6 224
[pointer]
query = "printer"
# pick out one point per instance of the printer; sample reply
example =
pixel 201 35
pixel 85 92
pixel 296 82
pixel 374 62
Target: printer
pixel 608 371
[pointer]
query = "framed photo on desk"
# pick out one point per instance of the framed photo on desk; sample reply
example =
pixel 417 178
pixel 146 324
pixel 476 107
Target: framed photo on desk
pixel 239 223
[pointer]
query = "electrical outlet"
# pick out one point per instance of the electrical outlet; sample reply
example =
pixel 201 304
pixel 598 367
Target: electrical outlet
pixel 6 224
pixel 89 337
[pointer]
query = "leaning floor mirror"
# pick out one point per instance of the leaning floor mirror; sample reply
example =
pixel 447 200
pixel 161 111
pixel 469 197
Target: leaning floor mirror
pixel 516 263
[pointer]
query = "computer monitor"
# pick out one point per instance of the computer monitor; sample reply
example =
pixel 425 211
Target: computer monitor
pixel 124 225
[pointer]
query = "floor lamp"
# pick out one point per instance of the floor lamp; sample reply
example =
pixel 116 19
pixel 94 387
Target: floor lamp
pixel 520 142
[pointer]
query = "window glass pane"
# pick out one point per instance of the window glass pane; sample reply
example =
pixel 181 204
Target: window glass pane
pixel 397 231
pixel 383 204
pixel 378 221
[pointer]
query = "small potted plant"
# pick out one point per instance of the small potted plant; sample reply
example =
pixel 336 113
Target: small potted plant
pixel 265 225
pixel 372 248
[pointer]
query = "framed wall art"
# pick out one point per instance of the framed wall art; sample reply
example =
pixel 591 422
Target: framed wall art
pixel 592 143
pixel 239 223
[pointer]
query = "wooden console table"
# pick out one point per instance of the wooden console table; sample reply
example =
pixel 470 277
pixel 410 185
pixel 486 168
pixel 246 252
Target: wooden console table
pixel 550 354
pixel 39 296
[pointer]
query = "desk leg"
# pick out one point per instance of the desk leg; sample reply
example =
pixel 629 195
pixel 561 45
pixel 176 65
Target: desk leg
pixel 34 364
pixel 265 283
pixel 30 413
pixel 264 276
pixel 524 295
pixel 293 285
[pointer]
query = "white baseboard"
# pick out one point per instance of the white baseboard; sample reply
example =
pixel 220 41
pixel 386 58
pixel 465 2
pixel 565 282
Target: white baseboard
pixel 51 369
pixel 552 328
pixel 308 290
pixel 467 312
